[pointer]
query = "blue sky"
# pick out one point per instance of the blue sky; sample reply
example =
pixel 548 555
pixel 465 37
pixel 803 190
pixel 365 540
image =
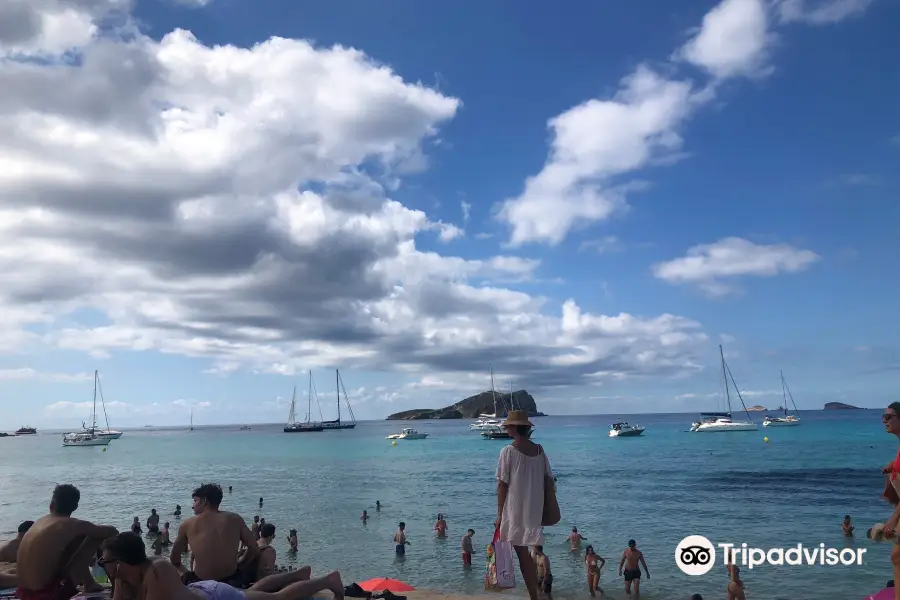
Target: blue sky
pixel 521 185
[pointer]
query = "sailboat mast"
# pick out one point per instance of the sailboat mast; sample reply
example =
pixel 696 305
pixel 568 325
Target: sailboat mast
pixel 783 393
pixel 94 421
pixel 337 387
pixel 493 395
pixel 725 379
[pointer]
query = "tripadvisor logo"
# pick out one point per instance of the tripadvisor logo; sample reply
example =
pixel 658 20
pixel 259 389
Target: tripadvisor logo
pixel 696 555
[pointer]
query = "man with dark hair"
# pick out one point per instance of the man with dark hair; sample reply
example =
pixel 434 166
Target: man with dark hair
pixel 214 536
pixel 56 552
pixel 8 576
pixel 125 562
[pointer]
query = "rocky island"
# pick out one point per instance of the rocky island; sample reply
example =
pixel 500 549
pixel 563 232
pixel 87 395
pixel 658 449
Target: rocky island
pixel 840 406
pixel 473 406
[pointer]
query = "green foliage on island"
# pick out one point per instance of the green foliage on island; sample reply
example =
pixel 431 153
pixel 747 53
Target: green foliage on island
pixel 473 406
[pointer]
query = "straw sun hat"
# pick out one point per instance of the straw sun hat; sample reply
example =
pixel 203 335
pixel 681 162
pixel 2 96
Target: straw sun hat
pixel 517 417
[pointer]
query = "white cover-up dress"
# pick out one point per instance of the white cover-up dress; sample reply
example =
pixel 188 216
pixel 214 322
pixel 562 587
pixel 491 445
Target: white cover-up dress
pixel 520 522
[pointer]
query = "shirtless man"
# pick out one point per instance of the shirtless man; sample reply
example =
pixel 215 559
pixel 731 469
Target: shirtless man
pixel 8 551
pixel 441 526
pixel 125 561
pixel 847 526
pixel 632 559
pixel 153 523
pixel 57 551
pixel 544 575
pixel 214 537
pixel 576 538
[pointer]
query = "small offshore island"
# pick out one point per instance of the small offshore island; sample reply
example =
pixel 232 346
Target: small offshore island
pixel 473 406
pixel 840 406
pixel 758 408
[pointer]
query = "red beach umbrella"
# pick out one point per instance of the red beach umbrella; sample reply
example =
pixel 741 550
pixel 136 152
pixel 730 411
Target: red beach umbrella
pixel 383 583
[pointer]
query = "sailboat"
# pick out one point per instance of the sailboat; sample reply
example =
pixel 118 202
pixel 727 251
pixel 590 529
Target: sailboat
pixel 292 425
pixel 103 433
pixel 498 432
pixel 711 422
pixel 87 436
pixel 788 419
pixel 192 421
pixel 488 422
pixel 337 423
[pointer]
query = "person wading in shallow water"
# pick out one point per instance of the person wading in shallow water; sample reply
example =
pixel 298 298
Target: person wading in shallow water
pixel 891 420
pixel 522 470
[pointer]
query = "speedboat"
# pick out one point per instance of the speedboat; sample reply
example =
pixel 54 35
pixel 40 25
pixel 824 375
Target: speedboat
pixel 408 434
pixel 710 422
pixel 780 421
pixel 84 439
pixel 485 422
pixel 623 429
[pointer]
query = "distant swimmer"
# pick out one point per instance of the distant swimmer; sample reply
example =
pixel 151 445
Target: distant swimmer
pixel 632 559
pixel 136 527
pixel 260 502
pixel 56 553
pixel 467 548
pixel 229 489
pixel 365 516
pixel 544 574
pixel 576 538
pixel 441 526
pixel 254 529
pixel 591 560
pixel 157 546
pixel 164 537
pixel 378 505
pixel 847 526
pixel 177 512
pixel 292 540
pixel 153 523
pixel 400 541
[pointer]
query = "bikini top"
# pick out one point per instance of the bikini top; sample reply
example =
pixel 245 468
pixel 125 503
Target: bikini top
pixel 896 468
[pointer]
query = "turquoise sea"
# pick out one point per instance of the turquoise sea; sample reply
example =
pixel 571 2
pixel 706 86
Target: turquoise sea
pixel 659 488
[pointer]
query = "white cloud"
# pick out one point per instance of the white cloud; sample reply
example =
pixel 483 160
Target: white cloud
pixel 466 211
pixel 604 245
pixel 820 12
pixel 27 373
pixel 233 204
pixel 733 39
pixel 710 266
pixel 194 3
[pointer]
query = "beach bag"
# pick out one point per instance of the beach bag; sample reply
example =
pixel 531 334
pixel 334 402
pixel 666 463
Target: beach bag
pixel 499 568
pixel 550 515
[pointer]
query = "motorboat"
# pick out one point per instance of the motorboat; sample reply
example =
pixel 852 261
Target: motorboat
pixel 84 439
pixel 623 429
pixel 408 434
pixel 26 431
pixel 787 420
pixel 245 428
pixel 722 421
pixel 485 423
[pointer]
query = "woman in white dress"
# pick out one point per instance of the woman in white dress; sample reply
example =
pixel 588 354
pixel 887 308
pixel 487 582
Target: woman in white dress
pixel 521 474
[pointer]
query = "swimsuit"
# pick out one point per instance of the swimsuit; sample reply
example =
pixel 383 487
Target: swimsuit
pixel 546 583
pixel 467 558
pixel 214 590
pixel 401 548
pixel 632 574
pixel 58 590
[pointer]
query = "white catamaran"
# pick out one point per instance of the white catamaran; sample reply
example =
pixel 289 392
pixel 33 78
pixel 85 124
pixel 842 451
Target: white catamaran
pixel 89 436
pixel 716 421
pixel 787 420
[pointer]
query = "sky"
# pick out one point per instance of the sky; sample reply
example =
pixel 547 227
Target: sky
pixel 206 200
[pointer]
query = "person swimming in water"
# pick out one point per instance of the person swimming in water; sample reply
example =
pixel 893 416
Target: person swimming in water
pixel 847 526
pixel 441 526
pixel 177 513
pixel 365 516
pixel 632 560
pixel 153 523
pixel 591 559
pixel 400 541
pixel 735 585
pixel 136 526
pixel 164 536
pixel 377 505
pixel 576 538
pixel 292 540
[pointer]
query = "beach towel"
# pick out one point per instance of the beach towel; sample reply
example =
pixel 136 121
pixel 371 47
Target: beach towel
pixel 885 594
pixel 499 568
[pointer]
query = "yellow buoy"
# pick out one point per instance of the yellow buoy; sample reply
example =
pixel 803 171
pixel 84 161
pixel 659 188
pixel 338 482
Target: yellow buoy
pixel 393 443
pixel 766 440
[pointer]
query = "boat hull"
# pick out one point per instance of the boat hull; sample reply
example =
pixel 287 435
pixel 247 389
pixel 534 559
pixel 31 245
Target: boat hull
pixel 110 435
pixel 290 429
pixel 781 423
pixel 629 433
pixel 330 426
pixel 720 427
pixel 85 442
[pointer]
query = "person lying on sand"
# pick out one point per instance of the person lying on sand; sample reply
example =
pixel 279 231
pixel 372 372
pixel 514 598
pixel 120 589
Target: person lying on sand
pixel 8 577
pixel 57 551
pixel 214 536
pixel 126 562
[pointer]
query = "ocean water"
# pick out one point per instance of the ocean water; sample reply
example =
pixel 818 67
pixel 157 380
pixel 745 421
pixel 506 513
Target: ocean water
pixel 659 488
